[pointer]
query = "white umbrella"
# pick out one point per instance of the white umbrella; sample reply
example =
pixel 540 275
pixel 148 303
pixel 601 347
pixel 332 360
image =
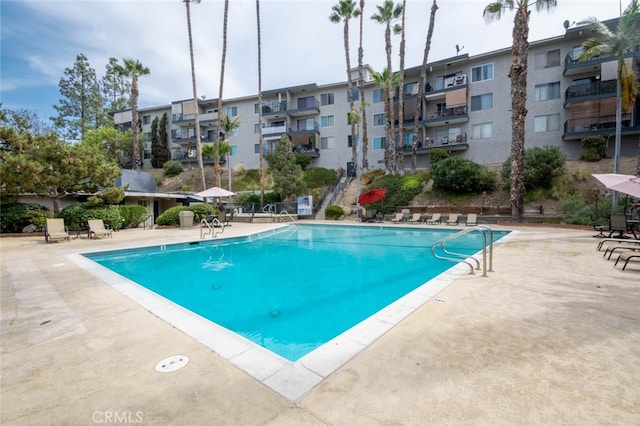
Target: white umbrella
pixel 215 192
pixel 627 184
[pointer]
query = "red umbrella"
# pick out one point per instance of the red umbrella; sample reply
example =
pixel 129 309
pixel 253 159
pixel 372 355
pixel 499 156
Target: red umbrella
pixel 372 196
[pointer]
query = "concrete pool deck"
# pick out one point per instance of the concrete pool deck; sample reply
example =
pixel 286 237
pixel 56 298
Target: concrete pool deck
pixel 552 336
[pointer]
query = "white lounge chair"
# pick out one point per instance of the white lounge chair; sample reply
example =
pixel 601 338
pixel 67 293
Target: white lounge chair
pixel 436 219
pixel 56 230
pixel 398 218
pixel 472 219
pixel 98 229
pixel 452 219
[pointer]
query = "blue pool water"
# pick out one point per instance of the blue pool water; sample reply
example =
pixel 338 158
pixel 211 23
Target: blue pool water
pixel 293 289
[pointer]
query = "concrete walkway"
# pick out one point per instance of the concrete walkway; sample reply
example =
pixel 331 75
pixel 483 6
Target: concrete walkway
pixel 551 337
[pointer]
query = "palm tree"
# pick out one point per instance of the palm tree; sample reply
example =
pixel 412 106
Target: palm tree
pixel 216 157
pixel 381 80
pixel 400 153
pixel 343 12
pixel 195 96
pixel 260 142
pixel 518 76
pixel 363 111
pixel 134 69
pixel 228 126
pixel 625 38
pixel 387 13
pixel 423 82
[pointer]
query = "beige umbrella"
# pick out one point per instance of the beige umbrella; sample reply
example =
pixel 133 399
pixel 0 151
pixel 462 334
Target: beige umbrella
pixel 627 184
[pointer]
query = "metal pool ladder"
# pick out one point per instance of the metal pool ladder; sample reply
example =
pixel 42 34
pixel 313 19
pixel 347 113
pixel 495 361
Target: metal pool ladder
pixel 465 258
pixel 208 228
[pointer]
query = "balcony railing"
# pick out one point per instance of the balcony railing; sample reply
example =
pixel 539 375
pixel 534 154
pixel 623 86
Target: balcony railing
pixel 597 88
pixel 268 109
pixel 306 127
pixel 458 111
pixel 274 130
pixel 452 142
pixel 596 124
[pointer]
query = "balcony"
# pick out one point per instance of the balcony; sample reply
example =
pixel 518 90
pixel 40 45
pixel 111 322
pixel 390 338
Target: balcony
pixel 274 110
pixel 185 120
pixel 438 88
pixel 306 106
pixel 191 157
pixel 450 143
pixel 585 92
pixel 572 66
pixel 444 117
pixel 307 150
pixel 273 132
pixel 577 128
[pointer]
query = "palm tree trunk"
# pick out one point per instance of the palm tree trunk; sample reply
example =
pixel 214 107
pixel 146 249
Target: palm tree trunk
pixel 135 121
pixel 518 75
pixel 618 136
pixel 400 158
pixel 260 143
pixel 354 145
pixel 390 96
pixel 423 82
pixel 363 110
pixel 195 99
pixel 216 157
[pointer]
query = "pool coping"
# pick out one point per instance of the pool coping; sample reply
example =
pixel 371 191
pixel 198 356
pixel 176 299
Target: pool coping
pixel 291 379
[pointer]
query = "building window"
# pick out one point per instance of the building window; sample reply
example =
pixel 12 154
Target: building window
pixel 232 111
pixel 327 121
pixel 233 151
pixel 547 59
pixel 147 154
pixel 146 119
pixel 378 119
pixel 377 96
pixel 481 131
pixel 379 143
pixel 411 89
pixel 480 102
pixel 355 95
pixel 327 143
pixel 326 99
pixel 483 72
pixel 544 92
pixel 350 141
pixel 547 123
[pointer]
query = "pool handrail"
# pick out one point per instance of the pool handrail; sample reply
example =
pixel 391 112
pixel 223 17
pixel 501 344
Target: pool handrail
pixel 286 213
pixel 210 226
pixel 463 258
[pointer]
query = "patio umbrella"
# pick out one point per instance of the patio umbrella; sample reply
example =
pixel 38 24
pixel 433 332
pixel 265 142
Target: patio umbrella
pixel 215 192
pixel 372 196
pixel 627 184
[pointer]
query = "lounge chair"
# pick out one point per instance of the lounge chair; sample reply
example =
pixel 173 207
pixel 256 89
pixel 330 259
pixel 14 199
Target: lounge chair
pixel 472 219
pixel 415 218
pixel 436 219
pixel 97 228
pixel 452 219
pixel 55 230
pixel 627 256
pixel 398 218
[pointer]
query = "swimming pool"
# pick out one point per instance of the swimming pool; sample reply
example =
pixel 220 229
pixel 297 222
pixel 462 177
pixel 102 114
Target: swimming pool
pixel 356 281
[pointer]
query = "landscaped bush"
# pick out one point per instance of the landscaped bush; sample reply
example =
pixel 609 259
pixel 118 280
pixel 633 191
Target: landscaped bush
pixel 171 217
pixel 319 176
pixel 541 165
pixel 595 148
pixel 15 217
pixel 333 212
pixel 76 216
pixel 172 168
pixel 133 215
pixel 436 155
pixel 457 175
pixel 400 191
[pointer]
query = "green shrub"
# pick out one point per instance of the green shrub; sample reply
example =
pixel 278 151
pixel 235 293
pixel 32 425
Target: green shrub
pixel 319 176
pixel 333 212
pixel 302 161
pixel 595 148
pixel 15 216
pixel 400 191
pixel 590 156
pixel 541 165
pixel 171 217
pixel 132 215
pixel 437 155
pixel 172 168
pixel 461 176
pixel 76 216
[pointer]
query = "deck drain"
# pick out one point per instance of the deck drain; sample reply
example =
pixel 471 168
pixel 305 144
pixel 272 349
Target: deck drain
pixel 173 363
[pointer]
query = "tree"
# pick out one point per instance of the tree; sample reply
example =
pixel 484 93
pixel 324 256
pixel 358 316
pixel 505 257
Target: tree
pixel 162 154
pixel 288 177
pixel 260 142
pixel 609 43
pixel 423 82
pixel 116 145
pixel 228 126
pixel 381 79
pixel 387 14
pixel 133 69
pixel 518 76
pixel 49 167
pixel 82 106
pixel 343 12
pixel 195 96
pixel 365 137
pixel 216 158
pixel 400 153
pixel 25 121
pixel 116 88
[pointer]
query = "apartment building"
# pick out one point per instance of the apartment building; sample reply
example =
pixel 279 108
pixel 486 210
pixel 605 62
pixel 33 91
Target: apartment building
pixel 466 110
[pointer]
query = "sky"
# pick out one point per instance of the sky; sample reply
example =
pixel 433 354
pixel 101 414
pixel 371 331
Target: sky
pixel 39 39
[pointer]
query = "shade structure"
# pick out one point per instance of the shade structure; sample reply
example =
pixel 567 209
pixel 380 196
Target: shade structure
pixel 215 192
pixel 627 184
pixel 372 196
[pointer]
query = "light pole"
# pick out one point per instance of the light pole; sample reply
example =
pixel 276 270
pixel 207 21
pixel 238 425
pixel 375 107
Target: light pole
pixel 229 167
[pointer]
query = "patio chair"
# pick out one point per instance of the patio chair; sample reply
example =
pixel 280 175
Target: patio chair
pixel 416 218
pixel 618 223
pixel 600 228
pixel 56 230
pixel 97 228
pixel 436 219
pixel 472 219
pixel 398 218
pixel 452 219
